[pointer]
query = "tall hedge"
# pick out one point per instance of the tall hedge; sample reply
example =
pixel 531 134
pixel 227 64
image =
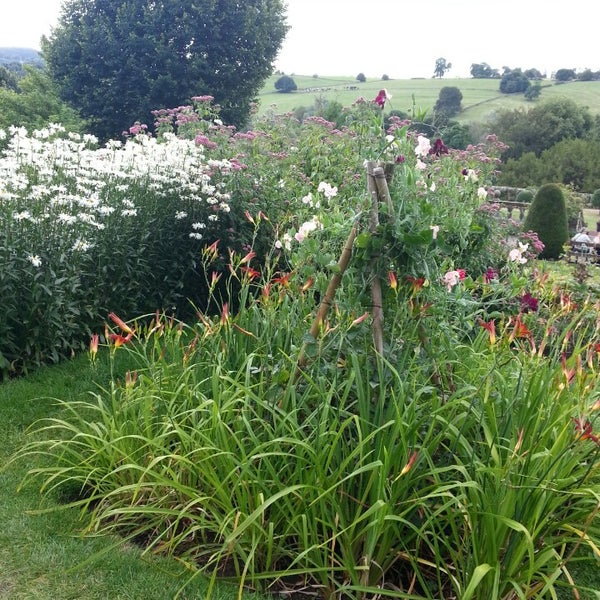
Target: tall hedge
pixel 547 216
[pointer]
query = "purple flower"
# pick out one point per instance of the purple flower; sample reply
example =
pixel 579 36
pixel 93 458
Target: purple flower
pixel 438 148
pixel 529 303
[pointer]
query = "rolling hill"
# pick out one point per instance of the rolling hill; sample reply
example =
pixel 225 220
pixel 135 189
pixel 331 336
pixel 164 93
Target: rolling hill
pixel 481 97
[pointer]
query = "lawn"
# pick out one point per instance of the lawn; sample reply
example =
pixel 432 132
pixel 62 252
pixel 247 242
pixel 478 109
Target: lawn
pixel 43 553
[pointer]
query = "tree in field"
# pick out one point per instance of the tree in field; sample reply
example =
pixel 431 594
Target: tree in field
pixel 117 60
pixel 285 84
pixel 514 81
pixel 449 101
pixel 565 75
pixel 483 71
pixel 361 77
pixel 441 66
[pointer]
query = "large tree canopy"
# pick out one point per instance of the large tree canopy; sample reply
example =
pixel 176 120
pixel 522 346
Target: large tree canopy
pixel 117 60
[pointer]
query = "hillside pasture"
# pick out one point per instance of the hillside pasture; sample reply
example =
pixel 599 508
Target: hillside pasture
pixel 481 97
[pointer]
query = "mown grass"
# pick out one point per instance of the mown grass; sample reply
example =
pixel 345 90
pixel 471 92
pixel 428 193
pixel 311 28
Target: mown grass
pixel 43 552
pixel 481 97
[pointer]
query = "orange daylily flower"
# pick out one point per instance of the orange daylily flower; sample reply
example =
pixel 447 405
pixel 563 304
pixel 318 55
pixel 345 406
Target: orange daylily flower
pixel 393 280
pixel 584 430
pixel 94 345
pixel 119 322
pixel 409 465
pixel 119 339
pixel 490 327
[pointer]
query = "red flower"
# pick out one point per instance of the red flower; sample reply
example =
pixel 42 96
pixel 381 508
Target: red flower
pixel 119 339
pixel 529 303
pixel 393 280
pixel 584 430
pixel 113 317
pixel 381 97
pixel 438 148
pixel 490 327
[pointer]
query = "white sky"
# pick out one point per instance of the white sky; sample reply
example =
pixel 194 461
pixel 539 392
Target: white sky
pixel 400 38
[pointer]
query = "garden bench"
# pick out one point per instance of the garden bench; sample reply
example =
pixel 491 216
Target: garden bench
pixel 582 253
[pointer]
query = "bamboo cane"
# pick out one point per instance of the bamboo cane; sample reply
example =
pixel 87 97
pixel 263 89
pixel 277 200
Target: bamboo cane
pixel 332 287
pixel 376 294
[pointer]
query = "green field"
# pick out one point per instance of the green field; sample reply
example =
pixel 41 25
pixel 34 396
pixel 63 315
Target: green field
pixel 481 97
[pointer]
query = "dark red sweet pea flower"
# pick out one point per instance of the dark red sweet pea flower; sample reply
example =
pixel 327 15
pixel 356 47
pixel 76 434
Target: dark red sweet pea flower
pixel 381 97
pixel 529 303
pixel 438 148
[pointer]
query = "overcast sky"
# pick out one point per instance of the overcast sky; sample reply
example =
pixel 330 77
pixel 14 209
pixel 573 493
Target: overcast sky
pixel 399 38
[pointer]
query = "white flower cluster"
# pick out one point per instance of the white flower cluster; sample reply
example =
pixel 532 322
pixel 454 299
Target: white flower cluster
pixel 62 183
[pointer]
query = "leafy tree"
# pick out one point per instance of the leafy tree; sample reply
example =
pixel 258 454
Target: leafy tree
pixel 586 75
pixel 456 135
pixel 542 126
pixel 547 216
pixel 449 101
pixel 441 66
pixel 385 77
pixel 572 162
pixel 514 81
pixel 483 71
pixel 285 84
pixel 35 104
pixel 533 74
pixel 8 79
pixel 533 92
pixel 527 170
pixel 565 75
pixel 117 60
pixel 361 77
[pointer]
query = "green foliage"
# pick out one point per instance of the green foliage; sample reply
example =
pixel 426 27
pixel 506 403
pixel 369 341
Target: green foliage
pixel 533 91
pixel 8 79
pixel 525 196
pixel 116 62
pixel 35 104
pixel 348 472
pixel 361 77
pixel 565 75
pixel 573 162
pixel 285 85
pixel 483 71
pixel 547 216
pixel 449 101
pixel 595 200
pixel 540 127
pixel 385 77
pixel 514 82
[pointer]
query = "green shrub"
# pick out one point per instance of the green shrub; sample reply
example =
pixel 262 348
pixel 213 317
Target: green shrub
pixel 525 196
pixel 285 84
pixel 596 199
pixel 547 216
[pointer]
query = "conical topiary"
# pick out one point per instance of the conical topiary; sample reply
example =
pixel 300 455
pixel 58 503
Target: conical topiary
pixel 547 216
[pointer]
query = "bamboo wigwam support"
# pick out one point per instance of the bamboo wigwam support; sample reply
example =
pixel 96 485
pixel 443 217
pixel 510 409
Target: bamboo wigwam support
pixel 377 187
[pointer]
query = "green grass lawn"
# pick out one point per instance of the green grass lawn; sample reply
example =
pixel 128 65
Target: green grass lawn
pixel 43 555
pixel 481 97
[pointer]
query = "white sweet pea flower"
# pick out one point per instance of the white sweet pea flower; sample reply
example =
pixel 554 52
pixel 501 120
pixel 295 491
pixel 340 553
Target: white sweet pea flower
pixel 423 146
